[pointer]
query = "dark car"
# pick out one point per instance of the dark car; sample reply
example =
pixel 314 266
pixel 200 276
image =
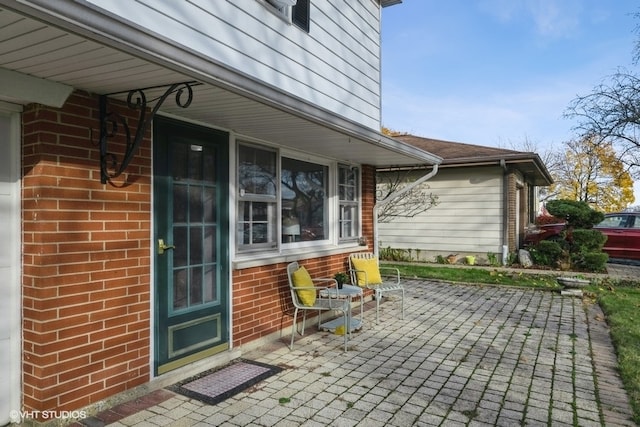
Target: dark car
pixel 622 231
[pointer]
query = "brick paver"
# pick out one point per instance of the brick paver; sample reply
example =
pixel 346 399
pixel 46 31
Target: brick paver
pixel 463 355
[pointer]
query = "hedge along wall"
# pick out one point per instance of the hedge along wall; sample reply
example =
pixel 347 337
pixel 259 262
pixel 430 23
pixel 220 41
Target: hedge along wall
pixel 86 265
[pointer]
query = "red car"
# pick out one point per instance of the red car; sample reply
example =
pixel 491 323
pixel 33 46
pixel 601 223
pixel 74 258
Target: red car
pixel 622 231
pixel 537 233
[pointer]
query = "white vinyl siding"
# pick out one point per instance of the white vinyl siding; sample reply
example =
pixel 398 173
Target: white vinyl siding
pixel 336 65
pixel 9 261
pixel 468 217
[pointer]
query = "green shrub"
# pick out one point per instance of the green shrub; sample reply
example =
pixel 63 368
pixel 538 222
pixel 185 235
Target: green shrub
pixel 581 245
pixel 588 240
pixel 547 252
pixel 591 261
pixel 391 254
pixel 578 214
pixel 492 259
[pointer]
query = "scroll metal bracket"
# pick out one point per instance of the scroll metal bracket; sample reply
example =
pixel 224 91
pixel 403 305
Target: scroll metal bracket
pixel 111 166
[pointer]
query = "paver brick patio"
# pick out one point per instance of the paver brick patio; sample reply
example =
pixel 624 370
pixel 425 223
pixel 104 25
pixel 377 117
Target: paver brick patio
pixel 463 355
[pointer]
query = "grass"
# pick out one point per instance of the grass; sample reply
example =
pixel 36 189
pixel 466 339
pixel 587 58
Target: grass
pixel 621 306
pixel 477 275
pixel 620 301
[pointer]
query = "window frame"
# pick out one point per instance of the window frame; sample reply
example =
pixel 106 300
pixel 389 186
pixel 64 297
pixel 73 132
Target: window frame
pixel 298 15
pixel 332 204
pixel 355 203
pixel 272 200
pixel 328 207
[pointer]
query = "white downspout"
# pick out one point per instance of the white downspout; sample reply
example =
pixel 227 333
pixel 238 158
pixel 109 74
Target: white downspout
pixel 505 213
pixel 394 196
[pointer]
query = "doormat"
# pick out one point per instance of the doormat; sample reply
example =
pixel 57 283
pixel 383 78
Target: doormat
pixel 217 384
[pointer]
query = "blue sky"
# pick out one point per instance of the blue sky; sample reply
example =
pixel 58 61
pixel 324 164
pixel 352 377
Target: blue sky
pixel 497 72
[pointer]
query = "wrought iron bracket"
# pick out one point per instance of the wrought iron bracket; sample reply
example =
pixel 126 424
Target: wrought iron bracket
pixel 111 165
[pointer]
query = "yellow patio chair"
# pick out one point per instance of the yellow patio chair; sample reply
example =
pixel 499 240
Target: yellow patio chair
pixel 365 271
pixel 307 295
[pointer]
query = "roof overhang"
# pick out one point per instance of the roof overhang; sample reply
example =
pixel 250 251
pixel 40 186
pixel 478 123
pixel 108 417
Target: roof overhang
pixel 110 55
pixel 528 164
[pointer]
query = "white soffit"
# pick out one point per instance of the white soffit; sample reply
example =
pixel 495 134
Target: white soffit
pixel 45 54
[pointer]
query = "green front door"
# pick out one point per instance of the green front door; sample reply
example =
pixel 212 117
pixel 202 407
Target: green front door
pixel 190 243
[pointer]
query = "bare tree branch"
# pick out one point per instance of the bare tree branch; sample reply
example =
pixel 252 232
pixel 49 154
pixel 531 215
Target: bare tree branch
pixel 410 204
pixel 611 113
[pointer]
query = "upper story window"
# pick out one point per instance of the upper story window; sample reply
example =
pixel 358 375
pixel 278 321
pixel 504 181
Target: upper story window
pixel 292 11
pixel 300 14
pixel 284 201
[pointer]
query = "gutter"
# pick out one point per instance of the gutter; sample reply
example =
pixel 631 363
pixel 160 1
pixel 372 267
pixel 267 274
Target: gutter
pixel 394 196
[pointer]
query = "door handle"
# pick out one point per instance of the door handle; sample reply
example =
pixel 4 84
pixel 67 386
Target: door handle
pixel 162 247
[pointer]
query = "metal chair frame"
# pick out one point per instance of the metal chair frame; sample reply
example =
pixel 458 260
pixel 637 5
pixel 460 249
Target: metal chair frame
pixel 325 302
pixel 390 280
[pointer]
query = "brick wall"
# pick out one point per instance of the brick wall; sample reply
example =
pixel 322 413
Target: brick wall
pixel 368 202
pixel 511 212
pixel 86 267
pixel 261 299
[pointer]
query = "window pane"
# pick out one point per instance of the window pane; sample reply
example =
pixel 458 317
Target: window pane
pixel 255 222
pixel 209 244
pixel 256 171
pixel 195 287
pixel 195 207
pixel 257 190
pixel 348 221
pixel 304 190
pixel 348 197
pixel 180 289
pixel 347 183
pixel 195 243
pixel 210 289
pixel 300 14
pixel 209 165
pixel 180 242
pixel 195 162
pixel 180 203
pixel 209 204
pixel 178 161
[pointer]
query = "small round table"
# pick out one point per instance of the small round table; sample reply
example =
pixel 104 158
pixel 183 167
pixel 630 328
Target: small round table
pixel 350 292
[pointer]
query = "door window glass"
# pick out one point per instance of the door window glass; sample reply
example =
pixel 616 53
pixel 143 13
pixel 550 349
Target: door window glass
pixel 194 225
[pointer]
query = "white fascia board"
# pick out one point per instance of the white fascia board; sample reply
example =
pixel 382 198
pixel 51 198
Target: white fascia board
pixel 24 89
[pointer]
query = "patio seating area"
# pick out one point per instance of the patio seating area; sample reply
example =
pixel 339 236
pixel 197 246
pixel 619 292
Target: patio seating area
pixel 463 355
